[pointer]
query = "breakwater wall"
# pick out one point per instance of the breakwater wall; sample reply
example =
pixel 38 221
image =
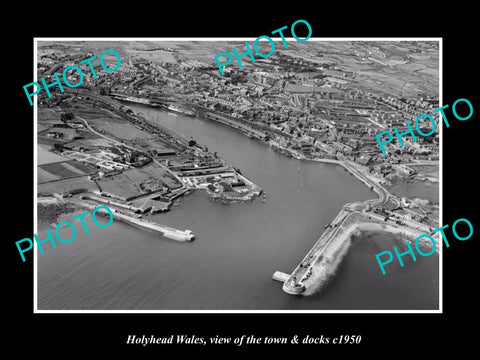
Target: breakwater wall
pixel 166 231
pixel 323 260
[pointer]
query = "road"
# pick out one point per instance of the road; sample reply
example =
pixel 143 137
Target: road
pixel 383 194
pixel 135 149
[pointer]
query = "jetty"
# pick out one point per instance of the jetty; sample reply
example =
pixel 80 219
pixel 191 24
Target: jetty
pixel 294 284
pixel 328 249
pixel 166 231
pixel 336 233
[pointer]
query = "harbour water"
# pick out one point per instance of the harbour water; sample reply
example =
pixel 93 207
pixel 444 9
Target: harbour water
pixel 237 248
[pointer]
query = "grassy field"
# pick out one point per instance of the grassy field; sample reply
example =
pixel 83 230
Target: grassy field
pixel 44 176
pixel 430 172
pixel 156 56
pixel 123 130
pixel 48 114
pixel 150 144
pixel 120 129
pixel 68 134
pixel 61 170
pixel 119 185
pixel 401 68
pixel 66 185
pixel 88 112
pixel 407 68
pixel 46 157
pixel 135 182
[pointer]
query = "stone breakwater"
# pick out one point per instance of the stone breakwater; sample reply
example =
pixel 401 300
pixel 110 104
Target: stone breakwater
pixel 322 261
pixel 324 267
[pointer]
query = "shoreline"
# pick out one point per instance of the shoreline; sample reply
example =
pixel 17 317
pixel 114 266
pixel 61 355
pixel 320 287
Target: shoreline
pixel 342 240
pixel 368 181
pixel 326 264
pixel 322 270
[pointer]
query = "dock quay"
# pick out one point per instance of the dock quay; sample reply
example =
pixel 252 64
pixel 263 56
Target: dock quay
pixel 166 231
pixel 327 252
pixel 295 282
pixel 280 276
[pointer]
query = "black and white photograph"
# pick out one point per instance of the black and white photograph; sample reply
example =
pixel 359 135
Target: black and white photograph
pixel 235 178
pixel 264 188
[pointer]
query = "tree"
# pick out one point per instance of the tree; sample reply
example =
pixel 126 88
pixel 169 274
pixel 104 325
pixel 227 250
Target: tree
pixel 66 116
